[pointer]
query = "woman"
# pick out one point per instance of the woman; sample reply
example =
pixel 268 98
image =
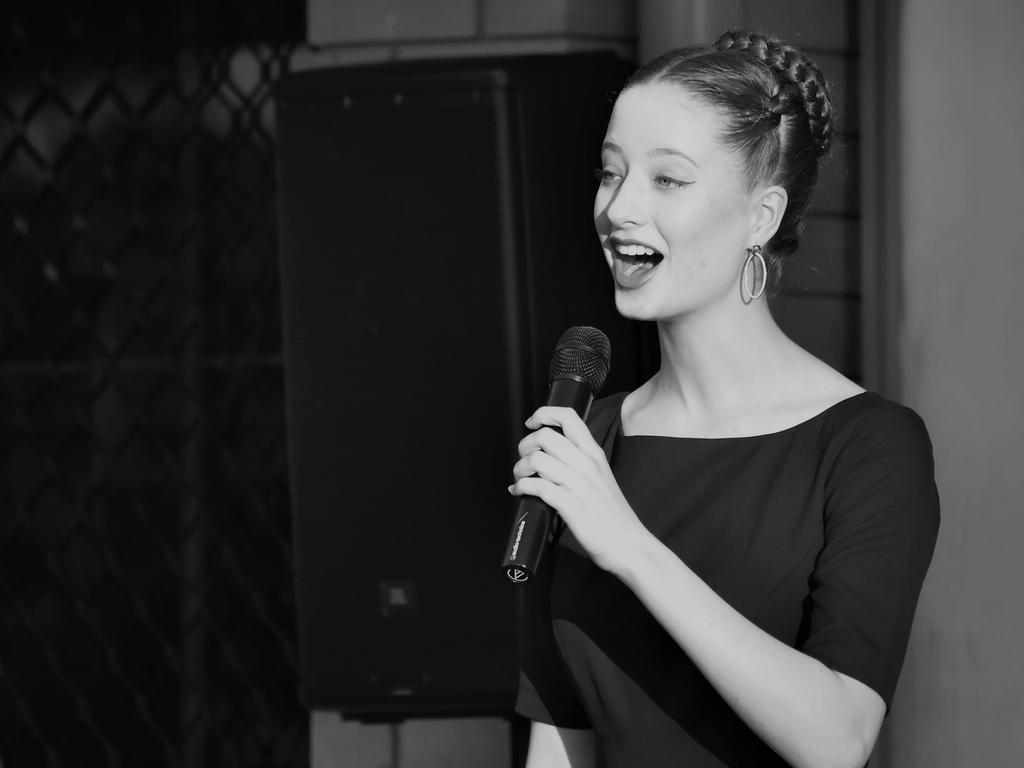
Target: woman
pixel 747 532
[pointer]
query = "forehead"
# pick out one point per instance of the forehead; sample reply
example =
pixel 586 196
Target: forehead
pixel 664 115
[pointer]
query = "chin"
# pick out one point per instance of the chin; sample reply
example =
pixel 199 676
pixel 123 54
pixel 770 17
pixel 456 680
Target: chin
pixel 633 307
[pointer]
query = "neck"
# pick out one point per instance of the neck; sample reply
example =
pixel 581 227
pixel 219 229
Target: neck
pixel 724 362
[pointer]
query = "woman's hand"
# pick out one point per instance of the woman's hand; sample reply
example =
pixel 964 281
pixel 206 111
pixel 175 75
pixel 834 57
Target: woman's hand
pixel 569 471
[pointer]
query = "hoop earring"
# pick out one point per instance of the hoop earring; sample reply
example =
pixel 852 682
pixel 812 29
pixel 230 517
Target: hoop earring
pixel 747 283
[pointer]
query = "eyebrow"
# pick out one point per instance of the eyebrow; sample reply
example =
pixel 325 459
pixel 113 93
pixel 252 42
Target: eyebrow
pixel 657 151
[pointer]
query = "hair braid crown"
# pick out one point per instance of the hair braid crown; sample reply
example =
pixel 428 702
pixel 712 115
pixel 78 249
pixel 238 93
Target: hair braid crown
pixel 798 79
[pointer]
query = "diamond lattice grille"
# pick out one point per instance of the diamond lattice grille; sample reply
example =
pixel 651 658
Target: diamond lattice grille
pixel 145 566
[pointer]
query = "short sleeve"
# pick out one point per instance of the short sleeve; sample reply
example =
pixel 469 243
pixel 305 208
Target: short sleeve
pixel 881 523
pixel 546 692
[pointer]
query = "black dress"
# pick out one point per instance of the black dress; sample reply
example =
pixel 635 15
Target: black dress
pixel 820 534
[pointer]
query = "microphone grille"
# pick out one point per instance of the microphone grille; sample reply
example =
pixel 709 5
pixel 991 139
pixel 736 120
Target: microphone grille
pixel 582 352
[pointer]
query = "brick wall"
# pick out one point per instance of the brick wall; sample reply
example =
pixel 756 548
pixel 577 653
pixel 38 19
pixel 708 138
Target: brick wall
pixel 365 31
pixel 820 302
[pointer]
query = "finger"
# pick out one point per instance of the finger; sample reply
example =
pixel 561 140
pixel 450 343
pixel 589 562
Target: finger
pixel 551 415
pixel 548 492
pixel 547 467
pixel 551 442
pixel 572 426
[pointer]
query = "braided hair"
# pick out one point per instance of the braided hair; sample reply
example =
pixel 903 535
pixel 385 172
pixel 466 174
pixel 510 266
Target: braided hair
pixel 777 110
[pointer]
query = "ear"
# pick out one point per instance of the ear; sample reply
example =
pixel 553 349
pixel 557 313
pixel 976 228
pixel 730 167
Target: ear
pixel 769 205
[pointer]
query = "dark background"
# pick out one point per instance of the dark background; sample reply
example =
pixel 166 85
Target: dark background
pixel 146 598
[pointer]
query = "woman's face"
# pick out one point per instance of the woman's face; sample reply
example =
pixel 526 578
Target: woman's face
pixel 673 211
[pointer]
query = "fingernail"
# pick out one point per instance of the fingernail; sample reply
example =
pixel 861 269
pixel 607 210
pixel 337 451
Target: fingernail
pixel 510 488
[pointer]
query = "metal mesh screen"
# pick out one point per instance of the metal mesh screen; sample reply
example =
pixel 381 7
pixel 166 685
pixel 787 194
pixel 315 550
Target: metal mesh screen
pixel 146 596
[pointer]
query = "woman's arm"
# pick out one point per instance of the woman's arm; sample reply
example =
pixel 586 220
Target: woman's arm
pixel 553 747
pixel 809 714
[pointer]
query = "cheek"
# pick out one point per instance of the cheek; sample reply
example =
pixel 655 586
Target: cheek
pixel 690 236
pixel 712 233
pixel 700 241
pixel 729 215
pixel 602 199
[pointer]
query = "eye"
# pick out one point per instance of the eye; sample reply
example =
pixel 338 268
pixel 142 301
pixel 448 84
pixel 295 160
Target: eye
pixel 667 182
pixel 606 177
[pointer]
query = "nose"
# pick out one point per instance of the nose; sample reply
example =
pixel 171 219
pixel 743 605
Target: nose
pixel 625 206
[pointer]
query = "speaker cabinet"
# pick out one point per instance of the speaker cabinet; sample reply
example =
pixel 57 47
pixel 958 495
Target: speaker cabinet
pixel 436 239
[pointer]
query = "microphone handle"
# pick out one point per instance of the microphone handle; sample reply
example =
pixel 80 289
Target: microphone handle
pixel 534 525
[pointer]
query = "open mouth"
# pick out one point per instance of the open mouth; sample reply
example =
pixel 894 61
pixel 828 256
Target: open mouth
pixel 635 258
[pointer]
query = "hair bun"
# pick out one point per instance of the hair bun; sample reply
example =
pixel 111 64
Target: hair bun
pixel 799 81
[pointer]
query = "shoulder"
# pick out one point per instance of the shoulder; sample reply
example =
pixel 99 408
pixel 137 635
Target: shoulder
pixel 881 451
pixel 852 411
pixel 868 419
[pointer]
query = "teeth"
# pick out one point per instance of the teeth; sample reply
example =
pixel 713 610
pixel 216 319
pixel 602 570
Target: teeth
pixel 634 250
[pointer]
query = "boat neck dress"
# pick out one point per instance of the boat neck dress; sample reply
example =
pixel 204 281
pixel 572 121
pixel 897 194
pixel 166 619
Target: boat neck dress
pixel 820 534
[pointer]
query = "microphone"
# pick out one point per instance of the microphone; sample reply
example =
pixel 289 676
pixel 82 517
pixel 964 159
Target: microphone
pixel 578 370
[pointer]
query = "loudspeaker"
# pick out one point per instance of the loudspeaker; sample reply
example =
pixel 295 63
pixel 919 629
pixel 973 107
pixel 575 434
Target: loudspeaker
pixel 436 237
